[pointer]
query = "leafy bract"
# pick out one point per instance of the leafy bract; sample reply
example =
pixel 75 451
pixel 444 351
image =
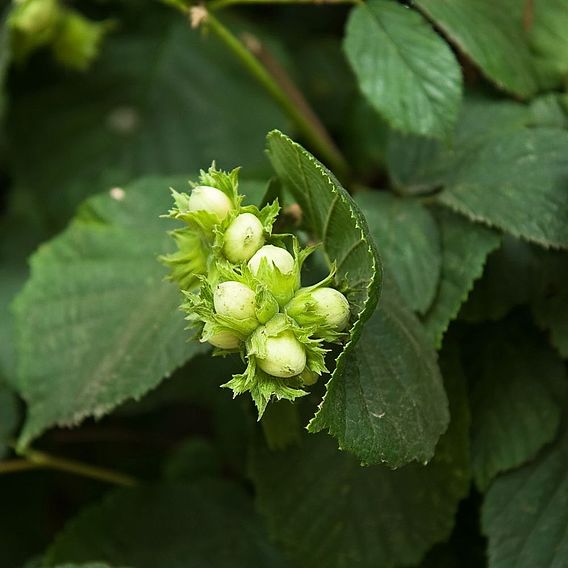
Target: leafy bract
pixel 161 100
pixel 331 512
pixel 492 35
pixel 389 404
pixel 409 241
pixel 97 323
pixel 406 71
pixel 170 526
pixel 465 247
pixel 525 513
pixel 518 383
pixel 516 182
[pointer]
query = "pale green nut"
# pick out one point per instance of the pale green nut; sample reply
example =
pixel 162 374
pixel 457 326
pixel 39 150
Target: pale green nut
pixel 224 340
pixel 243 237
pixel 210 199
pixel 327 303
pixel 235 300
pixel 285 356
pixel 278 257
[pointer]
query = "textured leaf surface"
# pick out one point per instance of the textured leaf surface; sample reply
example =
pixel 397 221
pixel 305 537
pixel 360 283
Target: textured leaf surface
pixel 334 218
pixel 332 512
pixel 492 34
pixel 97 322
pixel 409 241
pixel 517 182
pixel 518 383
pixel 161 99
pixel 419 165
pixel 203 525
pixel 390 405
pixel 406 71
pixel 465 247
pixel 525 513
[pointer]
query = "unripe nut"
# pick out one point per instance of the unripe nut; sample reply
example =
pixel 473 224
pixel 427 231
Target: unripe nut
pixel 235 300
pixel 278 257
pixel 285 356
pixel 210 199
pixel 333 306
pixel 224 340
pixel 243 237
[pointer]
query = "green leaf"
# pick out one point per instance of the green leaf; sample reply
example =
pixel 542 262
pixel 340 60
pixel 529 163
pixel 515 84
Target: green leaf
pixel 517 385
pixel 334 218
pixel 160 100
pixel 419 165
pixel 524 513
pixel 508 281
pixel 406 71
pixel 389 405
pixel 465 247
pixel 550 302
pixel 550 110
pixel 97 323
pixel 492 35
pixel 409 241
pixel 516 182
pixel 170 526
pixel 5 57
pixel 331 512
pixel 548 38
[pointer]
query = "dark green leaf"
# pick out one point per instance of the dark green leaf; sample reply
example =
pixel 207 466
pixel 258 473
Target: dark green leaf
pixel 331 512
pixel 161 99
pixel 9 416
pixel 390 405
pixel 465 247
pixel 409 241
pixel 406 71
pixel 97 322
pixel 516 182
pixel 518 383
pixel 206 524
pixel 508 281
pixel 335 220
pixel 492 34
pixel 525 513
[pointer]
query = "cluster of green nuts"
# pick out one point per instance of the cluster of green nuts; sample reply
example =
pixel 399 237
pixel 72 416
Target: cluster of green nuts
pixel 74 39
pixel 242 287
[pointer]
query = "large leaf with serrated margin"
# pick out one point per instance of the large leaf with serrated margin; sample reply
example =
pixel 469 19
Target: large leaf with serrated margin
pixel 331 512
pixel 465 247
pixel 335 220
pixel 97 323
pixel 517 182
pixel 518 383
pixel 492 35
pixel 406 71
pixel 525 513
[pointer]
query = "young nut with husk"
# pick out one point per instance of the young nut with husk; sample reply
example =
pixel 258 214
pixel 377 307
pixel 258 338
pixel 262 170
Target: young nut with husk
pixel 243 238
pixel 323 307
pixel 210 199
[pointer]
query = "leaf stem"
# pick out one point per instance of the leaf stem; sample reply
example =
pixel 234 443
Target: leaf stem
pixel 320 142
pixel 33 459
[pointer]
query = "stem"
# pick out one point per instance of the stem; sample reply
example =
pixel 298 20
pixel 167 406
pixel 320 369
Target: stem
pixel 320 142
pixel 36 460
pixel 12 466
